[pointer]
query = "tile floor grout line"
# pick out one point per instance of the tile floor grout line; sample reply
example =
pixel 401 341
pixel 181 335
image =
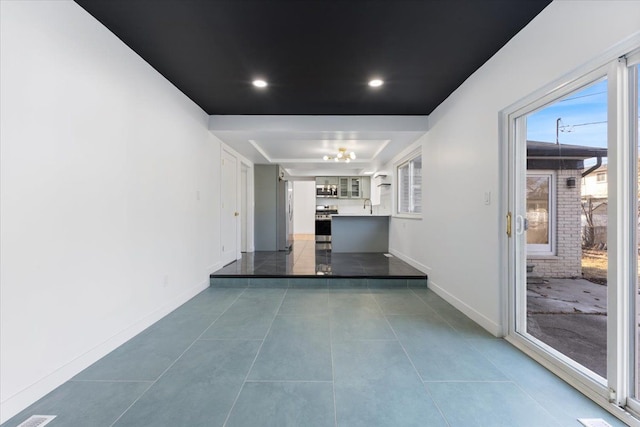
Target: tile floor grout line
pixel 517 384
pixel 437 313
pixel 110 381
pixel 175 361
pixel 468 381
pixel 226 420
pixel 436 404
pixel 290 381
pixel 444 319
pixel 509 377
pixel 412 364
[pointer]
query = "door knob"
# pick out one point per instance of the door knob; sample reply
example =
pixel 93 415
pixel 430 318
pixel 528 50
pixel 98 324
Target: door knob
pixel 236 213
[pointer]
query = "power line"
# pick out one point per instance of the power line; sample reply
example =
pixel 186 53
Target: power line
pixel 569 128
pixel 590 123
pixel 582 96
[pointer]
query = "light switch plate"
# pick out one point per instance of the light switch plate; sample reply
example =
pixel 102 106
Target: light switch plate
pixel 594 422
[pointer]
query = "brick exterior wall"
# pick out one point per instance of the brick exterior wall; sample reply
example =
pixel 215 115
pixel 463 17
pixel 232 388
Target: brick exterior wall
pixel 567 261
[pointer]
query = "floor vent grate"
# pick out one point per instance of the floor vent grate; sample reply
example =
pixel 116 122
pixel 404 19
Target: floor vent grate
pixel 388 255
pixel 594 422
pixel 37 421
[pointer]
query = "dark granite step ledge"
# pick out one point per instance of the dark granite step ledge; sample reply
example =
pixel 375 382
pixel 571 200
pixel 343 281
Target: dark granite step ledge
pixel 330 282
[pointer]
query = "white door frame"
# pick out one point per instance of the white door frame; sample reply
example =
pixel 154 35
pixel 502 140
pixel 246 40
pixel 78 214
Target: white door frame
pixel 243 206
pixel 229 215
pixel 246 193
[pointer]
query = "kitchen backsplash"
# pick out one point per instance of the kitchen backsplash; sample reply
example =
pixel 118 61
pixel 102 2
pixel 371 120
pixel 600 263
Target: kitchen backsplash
pixel 355 206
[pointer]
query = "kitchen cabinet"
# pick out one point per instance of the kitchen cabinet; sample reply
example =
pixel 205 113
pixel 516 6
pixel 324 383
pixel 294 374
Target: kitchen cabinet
pixel 360 233
pixel 326 186
pixel 344 187
pixel 353 187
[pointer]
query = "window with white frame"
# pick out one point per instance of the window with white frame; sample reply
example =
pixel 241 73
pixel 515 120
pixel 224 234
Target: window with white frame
pixel 540 212
pixel 409 175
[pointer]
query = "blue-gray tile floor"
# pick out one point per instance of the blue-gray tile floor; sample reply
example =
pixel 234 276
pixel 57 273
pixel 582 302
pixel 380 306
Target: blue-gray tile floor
pixel 315 357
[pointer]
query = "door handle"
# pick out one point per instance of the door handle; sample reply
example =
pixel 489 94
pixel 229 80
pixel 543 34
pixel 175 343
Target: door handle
pixel 236 213
pixel 521 224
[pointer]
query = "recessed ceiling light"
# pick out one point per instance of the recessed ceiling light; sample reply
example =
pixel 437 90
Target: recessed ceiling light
pixel 259 83
pixel 376 83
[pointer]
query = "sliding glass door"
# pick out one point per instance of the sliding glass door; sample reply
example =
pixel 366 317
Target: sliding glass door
pixel 564 229
pixel 573 221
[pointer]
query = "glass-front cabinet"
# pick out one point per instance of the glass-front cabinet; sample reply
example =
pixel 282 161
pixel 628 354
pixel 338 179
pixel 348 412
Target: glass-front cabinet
pixel 351 187
pixel 344 187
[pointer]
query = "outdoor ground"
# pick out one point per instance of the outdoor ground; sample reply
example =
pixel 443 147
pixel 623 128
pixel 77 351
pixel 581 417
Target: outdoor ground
pixel 570 315
pixel 594 265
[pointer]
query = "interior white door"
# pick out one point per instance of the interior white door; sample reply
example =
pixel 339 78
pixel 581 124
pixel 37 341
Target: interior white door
pixel 229 208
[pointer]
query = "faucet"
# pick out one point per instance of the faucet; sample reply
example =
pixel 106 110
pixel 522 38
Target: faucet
pixel 370 206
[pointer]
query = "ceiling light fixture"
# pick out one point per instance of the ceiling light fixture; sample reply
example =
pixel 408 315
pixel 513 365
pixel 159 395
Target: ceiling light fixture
pixel 259 83
pixel 342 155
pixel 376 83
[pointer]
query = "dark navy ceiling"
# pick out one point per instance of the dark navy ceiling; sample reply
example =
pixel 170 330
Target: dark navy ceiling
pixel 317 55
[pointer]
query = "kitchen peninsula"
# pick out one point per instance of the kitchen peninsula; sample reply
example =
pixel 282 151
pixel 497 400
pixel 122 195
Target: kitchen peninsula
pixel 360 233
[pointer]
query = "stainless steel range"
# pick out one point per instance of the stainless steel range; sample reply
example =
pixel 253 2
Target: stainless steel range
pixel 323 224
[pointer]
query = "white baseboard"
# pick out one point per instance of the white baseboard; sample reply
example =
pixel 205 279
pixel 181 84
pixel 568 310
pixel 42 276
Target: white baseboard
pixel 215 267
pixel 19 401
pixel 488 324
pixel 412 262
pixel 492 327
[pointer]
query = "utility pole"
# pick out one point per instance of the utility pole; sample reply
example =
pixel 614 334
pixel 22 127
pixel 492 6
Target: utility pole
pixel 558 130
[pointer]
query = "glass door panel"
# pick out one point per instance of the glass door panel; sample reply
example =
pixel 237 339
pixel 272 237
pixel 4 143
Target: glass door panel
pixel 563 227
pixel 355 187
pixel 343 187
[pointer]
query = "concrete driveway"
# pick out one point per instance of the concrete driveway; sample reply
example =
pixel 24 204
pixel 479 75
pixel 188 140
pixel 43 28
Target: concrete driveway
pixel 570 315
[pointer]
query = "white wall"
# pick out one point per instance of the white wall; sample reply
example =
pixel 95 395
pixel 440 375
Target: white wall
pixel 304 207
pixel 102 232
pixel 457 241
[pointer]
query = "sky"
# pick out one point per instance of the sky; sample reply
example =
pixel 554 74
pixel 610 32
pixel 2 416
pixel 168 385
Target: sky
pixel 583 116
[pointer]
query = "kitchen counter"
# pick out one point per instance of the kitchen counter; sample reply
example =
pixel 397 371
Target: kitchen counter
pixel 359 233
pixel 360 214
